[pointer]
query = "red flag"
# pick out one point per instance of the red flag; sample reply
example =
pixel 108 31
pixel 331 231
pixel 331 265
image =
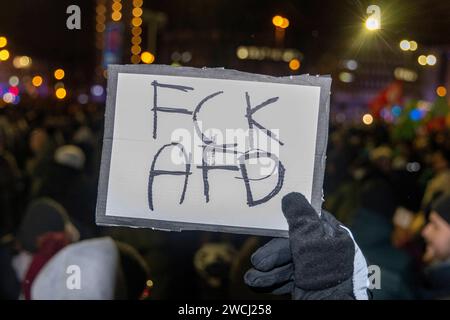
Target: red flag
pixel 389 96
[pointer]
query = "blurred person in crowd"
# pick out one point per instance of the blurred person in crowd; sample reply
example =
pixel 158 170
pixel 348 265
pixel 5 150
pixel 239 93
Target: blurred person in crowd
pixel 84 139
pixel 381 158
pixel 42 148
pixel 338 160
pixel 440 182
pixel 347 160
pixel 372 225
pixel 10 188
pixel 67 183
pixel 372 179
pixel 407 236
pixel 104 270
pixel 437 254
pixel 213 263
pixel 36 265
pixel 44 230
pixel 367 205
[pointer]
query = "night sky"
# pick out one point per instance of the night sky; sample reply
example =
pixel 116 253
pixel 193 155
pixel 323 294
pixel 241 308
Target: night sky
pixel 37 27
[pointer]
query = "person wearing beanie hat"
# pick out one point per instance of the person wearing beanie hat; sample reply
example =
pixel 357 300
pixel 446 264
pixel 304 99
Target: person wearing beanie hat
pixel 70 156
pixel 43 215
pixel 45 229
pixel 442 207
pixel 67 183
pixel 437 231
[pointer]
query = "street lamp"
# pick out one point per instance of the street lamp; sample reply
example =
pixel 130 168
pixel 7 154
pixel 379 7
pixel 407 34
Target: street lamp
pixel 277 21
pixel 280 23
pixel 373 22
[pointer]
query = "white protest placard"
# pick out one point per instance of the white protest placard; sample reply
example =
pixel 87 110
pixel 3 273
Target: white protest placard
pixel 210 149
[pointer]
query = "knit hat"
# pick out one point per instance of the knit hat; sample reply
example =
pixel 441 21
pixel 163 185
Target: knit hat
pixel 70 156
pixel 42 216
pixel 442 207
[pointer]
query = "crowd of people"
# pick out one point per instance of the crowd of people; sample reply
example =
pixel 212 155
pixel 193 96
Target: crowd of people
pixel 392 193
pixel 389 191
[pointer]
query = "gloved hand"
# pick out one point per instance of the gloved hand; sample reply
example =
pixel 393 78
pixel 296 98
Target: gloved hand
pixel 320 260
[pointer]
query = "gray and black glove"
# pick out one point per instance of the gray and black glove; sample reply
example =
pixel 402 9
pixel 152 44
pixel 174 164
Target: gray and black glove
pixel 320 260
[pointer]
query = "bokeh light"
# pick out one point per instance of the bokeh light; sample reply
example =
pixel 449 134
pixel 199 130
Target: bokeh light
pixel 147 57
pixel 294 64
pixel 396 111
pixel 372 24
pixel 277 21
pixel 422 60
pixel 60 93
pixel 8 97
pixel 116 16
pixel 415 115
pixel 346 77
pixel 135 59
pixel 413 46
pixel 241 53
pixel 59 74
pixel 83 98
pixel 137 12
pixel 285 23
pixel 3 42
pixel 4 55
pixel 136 21
pixel 441 91
pixel 14 90
pixel 97 90
pixel 431 60
pixel 136 49
pixel 13 81
pixel 367 119
pixel 405 45
pixel 37 81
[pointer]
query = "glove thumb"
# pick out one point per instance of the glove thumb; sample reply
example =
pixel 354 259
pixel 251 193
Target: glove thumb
pixel 322 251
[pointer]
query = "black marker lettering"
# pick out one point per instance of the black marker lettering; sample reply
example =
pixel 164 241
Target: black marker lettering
pixel 154 173
pixel 281 171
pixel 194 117
pixel 206 167
pixel 252 122
pixel 157 108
